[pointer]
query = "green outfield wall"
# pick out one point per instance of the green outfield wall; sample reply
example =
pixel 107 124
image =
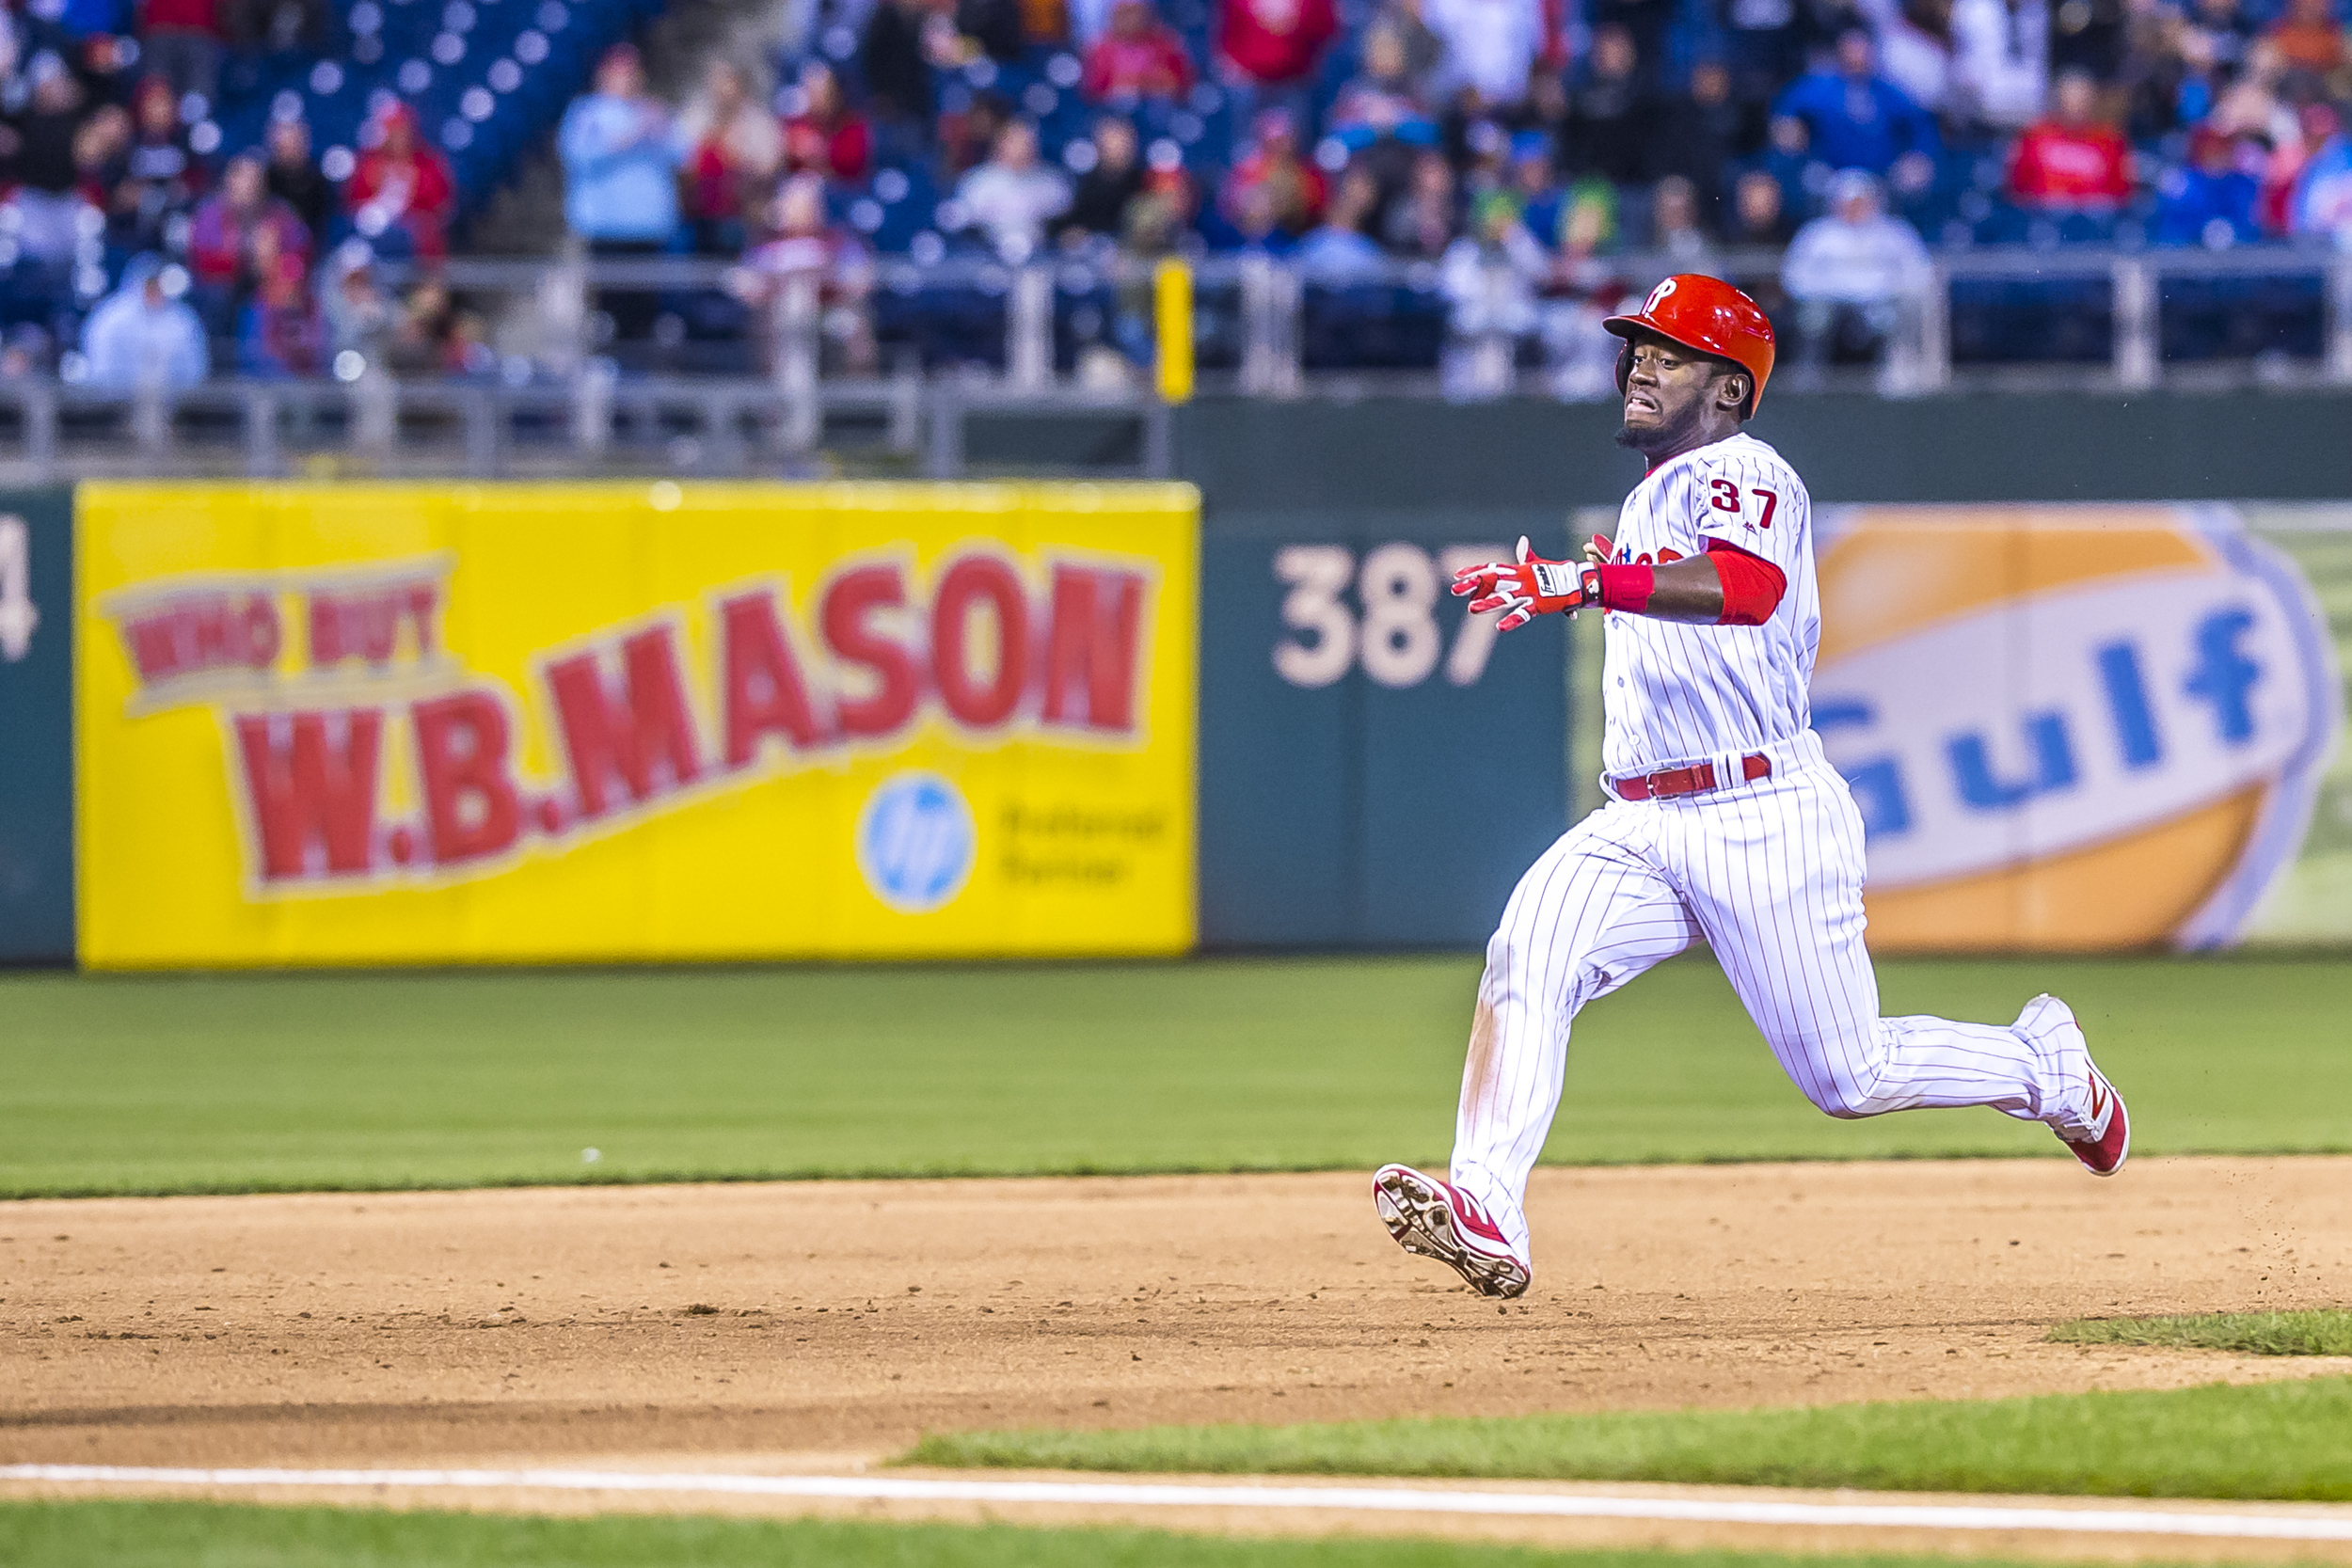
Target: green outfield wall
pixel 1253 456
pixel 2145 754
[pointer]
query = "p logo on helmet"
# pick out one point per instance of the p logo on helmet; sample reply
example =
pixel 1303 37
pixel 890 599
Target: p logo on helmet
pixel 2069 728
pixel 1706 314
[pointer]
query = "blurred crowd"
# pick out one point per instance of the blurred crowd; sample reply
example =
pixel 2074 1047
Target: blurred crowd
pixel 1512 148
pixel 138 249
pixel 1513 145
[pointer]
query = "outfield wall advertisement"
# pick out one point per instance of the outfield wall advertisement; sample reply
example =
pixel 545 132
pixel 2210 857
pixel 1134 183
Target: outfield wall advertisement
pixel 414 724
pixel 2086 728
pixel 2090 728
pixel 290 724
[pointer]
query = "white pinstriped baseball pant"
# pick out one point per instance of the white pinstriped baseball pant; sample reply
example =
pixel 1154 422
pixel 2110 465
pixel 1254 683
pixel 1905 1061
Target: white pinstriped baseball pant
pixel 1770 874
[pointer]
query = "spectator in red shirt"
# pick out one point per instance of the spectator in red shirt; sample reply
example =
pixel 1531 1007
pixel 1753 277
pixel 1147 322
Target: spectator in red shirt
pixel 401 186
pixel 734 149
pixel 1273 188
pixel 180 41
pixel 824 136
pixel 2072 160
pixel 1138 57
pixel 1268 49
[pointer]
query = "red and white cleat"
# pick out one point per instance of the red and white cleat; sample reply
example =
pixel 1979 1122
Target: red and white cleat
pixel 2101 1138
pixel 1436 1219
pixel 2110 1144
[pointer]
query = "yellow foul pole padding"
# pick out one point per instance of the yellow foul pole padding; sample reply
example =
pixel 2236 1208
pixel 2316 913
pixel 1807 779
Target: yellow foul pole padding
pixel 1172 294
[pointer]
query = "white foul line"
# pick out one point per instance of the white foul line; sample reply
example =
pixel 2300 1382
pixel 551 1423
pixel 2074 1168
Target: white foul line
pixel 2088 1521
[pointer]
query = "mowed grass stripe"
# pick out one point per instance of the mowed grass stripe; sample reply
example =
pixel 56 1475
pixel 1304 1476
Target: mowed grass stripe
pixel 2316 1333
pixel 2290 1441
pixel 235 1083
pixel 115 1534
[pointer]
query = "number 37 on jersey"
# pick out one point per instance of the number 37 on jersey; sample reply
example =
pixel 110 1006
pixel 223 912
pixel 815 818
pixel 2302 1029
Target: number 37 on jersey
pixel 1756 505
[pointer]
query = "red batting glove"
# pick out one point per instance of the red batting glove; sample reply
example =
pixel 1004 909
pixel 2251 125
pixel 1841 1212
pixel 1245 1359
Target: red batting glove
pixel 1528 587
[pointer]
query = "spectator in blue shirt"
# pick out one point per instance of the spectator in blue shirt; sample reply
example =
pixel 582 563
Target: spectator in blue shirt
pixel 1543 199
pixel 1340 251
pixel 620 162
pixel 144 334
pixel 2211 201
pixel 1853 118
pixel 621 159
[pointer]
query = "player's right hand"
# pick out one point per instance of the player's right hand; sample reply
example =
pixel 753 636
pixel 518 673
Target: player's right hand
pixel 1527 587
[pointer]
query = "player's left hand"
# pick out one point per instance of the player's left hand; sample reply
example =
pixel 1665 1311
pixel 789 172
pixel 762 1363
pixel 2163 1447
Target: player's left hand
pixel 1527 587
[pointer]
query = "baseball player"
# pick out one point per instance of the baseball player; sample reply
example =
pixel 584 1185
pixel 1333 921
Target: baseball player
pixel 1723 821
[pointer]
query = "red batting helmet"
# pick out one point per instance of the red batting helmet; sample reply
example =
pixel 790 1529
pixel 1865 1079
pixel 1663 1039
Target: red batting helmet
pixel 1708 314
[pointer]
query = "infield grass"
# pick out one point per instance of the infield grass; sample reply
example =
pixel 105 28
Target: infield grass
pixel 122 1084
pixel 215 1535
pixel 2274 1440
pixel 2319 1333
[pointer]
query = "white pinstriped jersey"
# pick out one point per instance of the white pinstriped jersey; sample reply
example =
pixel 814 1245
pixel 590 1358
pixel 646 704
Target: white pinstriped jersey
pixel 1674 693
pixel 1767 872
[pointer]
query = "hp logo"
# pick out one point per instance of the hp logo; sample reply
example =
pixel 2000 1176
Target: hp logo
pixel 915 842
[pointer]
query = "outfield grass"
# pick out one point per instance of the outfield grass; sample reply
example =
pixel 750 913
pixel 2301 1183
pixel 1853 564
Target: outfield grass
pixel 2279 1440
pixel 212 1535
pixel 235 1082
pixel 2320 1333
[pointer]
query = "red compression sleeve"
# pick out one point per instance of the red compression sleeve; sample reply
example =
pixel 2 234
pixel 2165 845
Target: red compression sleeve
pixel 1627 587
pixel 1751 585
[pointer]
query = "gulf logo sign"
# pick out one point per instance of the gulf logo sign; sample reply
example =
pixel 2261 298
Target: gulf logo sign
pixel 2069 728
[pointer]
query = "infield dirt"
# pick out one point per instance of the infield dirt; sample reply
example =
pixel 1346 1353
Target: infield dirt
pixel 842 1319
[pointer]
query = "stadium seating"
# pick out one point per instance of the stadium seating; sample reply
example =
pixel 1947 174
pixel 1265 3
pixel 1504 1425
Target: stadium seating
pixel 488 80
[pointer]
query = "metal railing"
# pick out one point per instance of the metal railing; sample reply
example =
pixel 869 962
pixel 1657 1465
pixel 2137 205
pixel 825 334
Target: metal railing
pixel 2136 281
pixel 381 426
pixel 1267 297
pixel 572 410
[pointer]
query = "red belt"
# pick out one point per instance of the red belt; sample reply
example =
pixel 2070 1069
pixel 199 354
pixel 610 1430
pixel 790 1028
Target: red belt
pixel 1694 779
